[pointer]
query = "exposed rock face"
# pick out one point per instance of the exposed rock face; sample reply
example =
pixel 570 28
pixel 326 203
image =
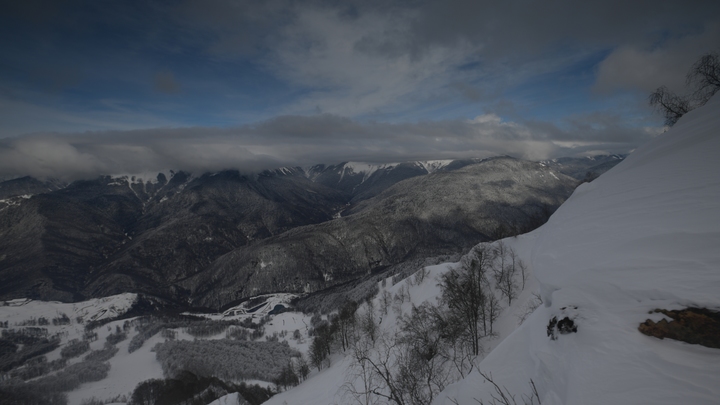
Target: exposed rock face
pixel 220 237
pixel 692 325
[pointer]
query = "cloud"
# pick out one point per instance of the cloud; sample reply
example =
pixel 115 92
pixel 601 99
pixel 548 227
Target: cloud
pixel 511 27
pixel 376 80
pixel 318 51
pixel 385 58
pixel 22 117
pixel 306 140
pixel 646 68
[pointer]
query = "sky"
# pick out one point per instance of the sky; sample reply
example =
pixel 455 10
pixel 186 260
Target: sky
pixel 113 87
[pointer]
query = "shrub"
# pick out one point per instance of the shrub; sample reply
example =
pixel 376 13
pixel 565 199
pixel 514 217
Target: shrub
pixel 207 328
pixel 74 348
pixel 190 389
pixel 115 338
pixel 37 367
pixel 61 319
pixel 102 355
pixel 145 333
pixel 206 358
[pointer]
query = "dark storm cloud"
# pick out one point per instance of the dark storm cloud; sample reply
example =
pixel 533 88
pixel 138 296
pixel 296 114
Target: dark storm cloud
pixel 302 140
pixel 510 27
pixel 651 43
pixel 500 35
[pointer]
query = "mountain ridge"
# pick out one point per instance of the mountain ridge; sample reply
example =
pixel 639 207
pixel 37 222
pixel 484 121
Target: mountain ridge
pixel 157 235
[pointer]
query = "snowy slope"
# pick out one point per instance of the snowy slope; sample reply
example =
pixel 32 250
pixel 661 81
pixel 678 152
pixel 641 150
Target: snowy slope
pixel 328 386
pixel 645 235
pixel 19 310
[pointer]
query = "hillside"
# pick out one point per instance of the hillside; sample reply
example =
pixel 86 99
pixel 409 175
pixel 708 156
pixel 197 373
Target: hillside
pixel 643 236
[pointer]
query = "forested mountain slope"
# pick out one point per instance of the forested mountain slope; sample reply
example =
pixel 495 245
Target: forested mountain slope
pixel 420 217
pixel 168 235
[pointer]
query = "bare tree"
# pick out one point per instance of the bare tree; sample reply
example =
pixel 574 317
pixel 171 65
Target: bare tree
pixel 321 345
pixel 507 284
pixel 493 311
pixel 465 291
pixel 420 275
pixel 385 301
pixel 344 323
pixel 409 367
pixel 704 77
pixel 669 104
pixel 423 370
pixel 499 265
pixel 303 367
pixel 362 381
pixel 367 322
pixel 503 396
pixel 523 269
pixel 376 364
pixel 505 267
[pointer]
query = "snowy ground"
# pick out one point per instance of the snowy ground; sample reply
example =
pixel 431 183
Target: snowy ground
pixel 645 235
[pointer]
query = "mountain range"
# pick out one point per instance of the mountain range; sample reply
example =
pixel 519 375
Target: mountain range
pixel 218 238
